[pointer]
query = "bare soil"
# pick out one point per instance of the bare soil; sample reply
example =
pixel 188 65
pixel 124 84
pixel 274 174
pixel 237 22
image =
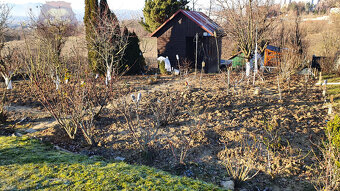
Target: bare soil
pixel 223 123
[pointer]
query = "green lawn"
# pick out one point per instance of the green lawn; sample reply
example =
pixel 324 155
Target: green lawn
pixel 27 164
pixel 333 89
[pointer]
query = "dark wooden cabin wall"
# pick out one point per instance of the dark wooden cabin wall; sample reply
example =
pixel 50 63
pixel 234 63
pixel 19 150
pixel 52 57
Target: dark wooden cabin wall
pixel 173 41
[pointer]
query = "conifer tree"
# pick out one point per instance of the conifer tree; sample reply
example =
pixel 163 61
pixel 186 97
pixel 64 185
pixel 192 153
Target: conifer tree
pixel 90 21
pixel 156 12
pixel 133 60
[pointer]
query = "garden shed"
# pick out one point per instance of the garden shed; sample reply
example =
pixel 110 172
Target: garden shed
pixel 238 60
pixel 188 32
pixel 272 56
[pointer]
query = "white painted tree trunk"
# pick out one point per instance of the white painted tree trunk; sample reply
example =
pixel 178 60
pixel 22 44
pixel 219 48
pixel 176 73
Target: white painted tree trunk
pixel 57 83
pixel 248 69
pixel 255 66
pixel 108 75
pixel 8 81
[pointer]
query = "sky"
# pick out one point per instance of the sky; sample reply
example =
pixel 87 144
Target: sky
pixel 114 4
pixel 78 5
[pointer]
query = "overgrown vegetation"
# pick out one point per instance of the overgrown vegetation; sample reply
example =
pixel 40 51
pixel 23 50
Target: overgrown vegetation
pixel 329 163
pixel 9 61
pixel 215 127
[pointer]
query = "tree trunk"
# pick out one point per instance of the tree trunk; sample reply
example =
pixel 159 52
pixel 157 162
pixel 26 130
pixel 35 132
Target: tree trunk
pixel 108 75
pixel 247 68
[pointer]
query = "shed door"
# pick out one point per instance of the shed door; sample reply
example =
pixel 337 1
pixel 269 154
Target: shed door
pixel 190 49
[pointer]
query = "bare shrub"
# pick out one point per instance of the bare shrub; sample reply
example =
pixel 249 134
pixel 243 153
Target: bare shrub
pixel 74 98
pixel 185 67
pixel 328 173
pixel 9 65
pixel 52 34
pixel 68 89
pixel 190 136
pixel 143 120
pixel 9 62
pixel 294 46
pixel 183 145
pixel 241 163
pixel 277 153
pixel 331 46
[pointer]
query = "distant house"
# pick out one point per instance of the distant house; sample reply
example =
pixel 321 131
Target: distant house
pixel 57 10
pixel 272 56
pixel 177 37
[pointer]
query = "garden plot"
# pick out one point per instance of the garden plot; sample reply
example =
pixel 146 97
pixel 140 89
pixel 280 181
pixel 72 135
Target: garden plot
pixel 211 128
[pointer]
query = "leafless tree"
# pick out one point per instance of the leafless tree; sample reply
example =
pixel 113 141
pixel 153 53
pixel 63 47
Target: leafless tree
pixel 65 86
pixel 211 4
pixel 7 66
pixel 50 34
pixel 6 54
pixel 5 11
pixel 246 19
pixel 109 43
pixel 194 3
pixel 292 41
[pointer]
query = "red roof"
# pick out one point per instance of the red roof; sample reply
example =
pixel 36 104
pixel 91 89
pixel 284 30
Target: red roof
pixel 199 18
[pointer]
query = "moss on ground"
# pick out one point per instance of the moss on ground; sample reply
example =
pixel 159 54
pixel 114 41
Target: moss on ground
pixel 27 164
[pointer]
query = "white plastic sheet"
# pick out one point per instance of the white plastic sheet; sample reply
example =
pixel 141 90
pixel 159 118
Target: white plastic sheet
pixel 166 61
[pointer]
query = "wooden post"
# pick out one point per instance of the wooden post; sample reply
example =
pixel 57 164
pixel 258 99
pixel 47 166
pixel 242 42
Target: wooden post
pixel 324 89
pixel 306 82
pixel 203 65
pixel 196 54
pixel 330 106
pixel 179 66
pixel 278 86
pixel 320 78
pixel 218 55
pixel 228 85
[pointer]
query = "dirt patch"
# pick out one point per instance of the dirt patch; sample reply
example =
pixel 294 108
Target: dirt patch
pixel 222 124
